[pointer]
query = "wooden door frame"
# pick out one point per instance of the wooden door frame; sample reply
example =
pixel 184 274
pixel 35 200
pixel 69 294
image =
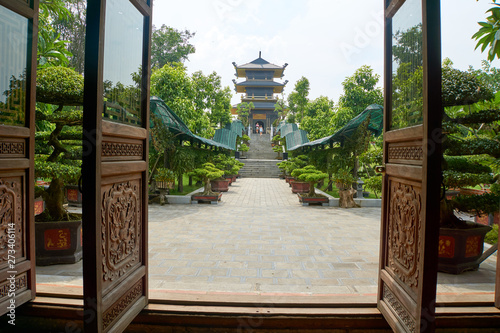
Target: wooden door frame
pixel 21 163
pixel 430 133
pixel 102 315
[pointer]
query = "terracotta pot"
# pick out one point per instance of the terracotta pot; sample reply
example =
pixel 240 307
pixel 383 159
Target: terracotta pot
pixel 459 249
pixel 220 185
pixel 300 187
pixel 313 200
pixel 58 242
pixel 206 198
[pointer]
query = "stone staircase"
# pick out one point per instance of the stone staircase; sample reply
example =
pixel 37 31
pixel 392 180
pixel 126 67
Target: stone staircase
pixel 260 160
pixel 260 169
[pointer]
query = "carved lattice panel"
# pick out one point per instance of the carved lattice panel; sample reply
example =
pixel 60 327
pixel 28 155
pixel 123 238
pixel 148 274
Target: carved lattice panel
pixel 404 228
pixel 11 220
pixel 121 230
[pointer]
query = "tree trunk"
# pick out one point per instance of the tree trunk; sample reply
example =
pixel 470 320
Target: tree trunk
pixel 346 199
pixel 180 183
pixel 54 199
pixel 311 193
pixel 190 180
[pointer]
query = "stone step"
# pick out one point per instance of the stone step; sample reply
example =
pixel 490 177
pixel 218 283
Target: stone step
pixel 260 168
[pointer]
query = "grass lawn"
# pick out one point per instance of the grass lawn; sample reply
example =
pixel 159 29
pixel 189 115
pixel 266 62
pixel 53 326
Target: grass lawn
pixel 335 192
pixel 187 189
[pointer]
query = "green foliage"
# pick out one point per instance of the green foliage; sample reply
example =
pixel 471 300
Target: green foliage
pixel 479 204
pixel 463 164
pixel 374 184
pixel 229 165
pixel 164 175
pixel 243 110
pixel 60 86
pixel 207 172
pixel 360 90
pixel 316 121
pixel 293 163
pixel 243 147
pixel 488 35
pixel 309 174
pixel 472 146
pixel 463 88
pixel 58 153
pixel 343 178
pixel 297 99
pixel 212 99
pixel 408 46
pixel 169 45
pixel 454 179
pixel 492 236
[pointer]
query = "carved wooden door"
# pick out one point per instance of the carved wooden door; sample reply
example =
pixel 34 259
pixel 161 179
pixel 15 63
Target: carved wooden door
pixel 18 24
pixel 412 157
pixel 115 162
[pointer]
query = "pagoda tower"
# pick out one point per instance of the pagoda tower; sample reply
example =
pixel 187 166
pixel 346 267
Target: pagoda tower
pixel 260 88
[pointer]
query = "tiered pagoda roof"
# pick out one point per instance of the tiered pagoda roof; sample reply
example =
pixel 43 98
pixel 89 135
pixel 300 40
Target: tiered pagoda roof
pixel 259 64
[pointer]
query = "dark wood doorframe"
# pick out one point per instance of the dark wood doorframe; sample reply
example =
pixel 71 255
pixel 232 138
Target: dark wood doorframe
pixel 114 172
pixel 411 188
pixel 17 259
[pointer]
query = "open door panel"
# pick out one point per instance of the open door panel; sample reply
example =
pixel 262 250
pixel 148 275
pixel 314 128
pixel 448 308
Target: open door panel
pixel 115 164
pixel 412 157
pixel 18 25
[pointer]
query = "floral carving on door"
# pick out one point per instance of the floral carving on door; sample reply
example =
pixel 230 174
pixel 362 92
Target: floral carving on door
pixel 404 232
pixel 121 229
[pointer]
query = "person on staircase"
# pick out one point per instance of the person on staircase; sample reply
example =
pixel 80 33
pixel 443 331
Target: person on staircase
pixel 261 129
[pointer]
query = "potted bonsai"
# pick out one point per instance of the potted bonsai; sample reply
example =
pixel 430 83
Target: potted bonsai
pixel 293 163
pixel 164 180
pixel 468 133
pixel 311 176
pixel 243 148
pixel 206 173
pixel 58 158
pixel 229 165
pixel 343 181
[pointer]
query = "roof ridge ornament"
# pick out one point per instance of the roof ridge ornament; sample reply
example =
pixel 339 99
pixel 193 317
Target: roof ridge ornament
pixel 260 52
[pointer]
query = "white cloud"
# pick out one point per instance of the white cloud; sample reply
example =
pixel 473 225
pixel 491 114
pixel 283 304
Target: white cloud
pixel 323 40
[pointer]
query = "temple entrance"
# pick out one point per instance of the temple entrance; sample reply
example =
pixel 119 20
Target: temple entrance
pixel 261 124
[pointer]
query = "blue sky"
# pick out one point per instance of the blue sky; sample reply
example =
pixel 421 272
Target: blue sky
pixel 323 40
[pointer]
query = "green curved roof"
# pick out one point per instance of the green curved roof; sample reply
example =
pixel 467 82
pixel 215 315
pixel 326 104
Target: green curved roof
pixel 176 126
pixel 376 126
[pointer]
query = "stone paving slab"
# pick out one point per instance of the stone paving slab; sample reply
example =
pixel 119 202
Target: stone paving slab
pixel 260 239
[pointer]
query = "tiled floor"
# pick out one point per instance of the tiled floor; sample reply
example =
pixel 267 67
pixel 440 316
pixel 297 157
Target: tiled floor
pixel 260 240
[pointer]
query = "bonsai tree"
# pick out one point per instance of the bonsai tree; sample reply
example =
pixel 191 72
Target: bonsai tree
pixel 229 165
pixel 164 175
pixel 206 173
pixel 343 180
pixel 243 148
pixel 470 139
pixel 58 149
pixel 311 175
pixel 293 163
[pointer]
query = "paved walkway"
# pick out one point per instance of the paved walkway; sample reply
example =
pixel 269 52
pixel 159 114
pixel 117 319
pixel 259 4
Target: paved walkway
pixel 261 240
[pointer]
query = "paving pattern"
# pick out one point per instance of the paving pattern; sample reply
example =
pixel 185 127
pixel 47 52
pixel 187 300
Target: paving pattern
pixel 260 240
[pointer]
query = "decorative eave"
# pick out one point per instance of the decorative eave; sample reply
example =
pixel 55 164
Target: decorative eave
pixel 259 64
pixel 277 86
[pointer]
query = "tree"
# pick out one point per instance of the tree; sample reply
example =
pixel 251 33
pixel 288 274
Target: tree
pixel 311 175
pixel 317 118
pixel 59 151
pixel 51 49
pixel 72 29
pixel 211 98
pixel 174 86
pixel 243 111
pixel 408 47
pixel 468 136
pixel 297 100
pixel 281 108
pixel 170 45
pixel 488 35
pixel 360 91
